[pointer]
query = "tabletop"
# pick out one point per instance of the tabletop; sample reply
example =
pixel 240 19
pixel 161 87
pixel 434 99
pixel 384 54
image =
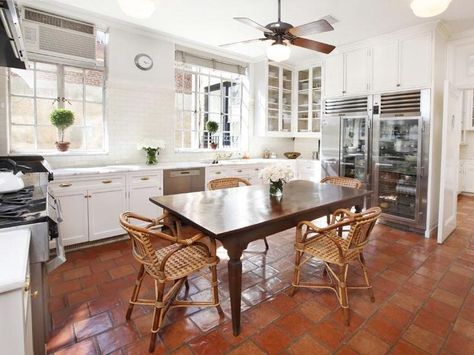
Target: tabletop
pixel 222 212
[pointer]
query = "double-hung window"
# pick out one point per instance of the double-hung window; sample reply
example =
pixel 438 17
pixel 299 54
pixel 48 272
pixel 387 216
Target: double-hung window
pixel 206 91
pixel 35 92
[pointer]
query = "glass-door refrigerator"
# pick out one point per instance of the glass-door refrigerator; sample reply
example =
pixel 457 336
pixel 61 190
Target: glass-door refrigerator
pixel 400 157
pixel 346 138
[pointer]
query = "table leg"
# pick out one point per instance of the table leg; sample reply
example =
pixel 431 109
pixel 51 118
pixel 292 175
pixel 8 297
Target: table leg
pixel 235 287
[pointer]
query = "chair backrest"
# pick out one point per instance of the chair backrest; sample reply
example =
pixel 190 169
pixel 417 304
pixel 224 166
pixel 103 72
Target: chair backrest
pixel 142 247
pixel 342 181
pixel 362 226
pixel 226 183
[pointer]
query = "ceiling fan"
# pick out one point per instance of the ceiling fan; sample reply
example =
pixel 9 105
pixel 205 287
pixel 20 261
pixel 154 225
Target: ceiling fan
pixel 282 34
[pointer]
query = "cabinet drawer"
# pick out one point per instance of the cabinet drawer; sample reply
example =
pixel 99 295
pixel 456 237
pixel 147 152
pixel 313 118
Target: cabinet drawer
pixel 147 179
pixel 58 187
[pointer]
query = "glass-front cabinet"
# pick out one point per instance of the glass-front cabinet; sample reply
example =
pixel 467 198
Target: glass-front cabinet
pixel 280 103
pixel 354 148
pixel 287 100
pixel 398 165
pixel 309 101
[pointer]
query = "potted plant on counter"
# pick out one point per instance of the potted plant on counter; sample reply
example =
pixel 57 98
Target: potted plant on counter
pixel 212 128
pixel 62 119
pixel 152 148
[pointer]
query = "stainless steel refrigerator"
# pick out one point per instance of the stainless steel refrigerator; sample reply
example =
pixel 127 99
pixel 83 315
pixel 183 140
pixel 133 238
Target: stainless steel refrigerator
pixel 382 140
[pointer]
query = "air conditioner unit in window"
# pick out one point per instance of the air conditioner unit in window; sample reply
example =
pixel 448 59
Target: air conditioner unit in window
pixel 49 37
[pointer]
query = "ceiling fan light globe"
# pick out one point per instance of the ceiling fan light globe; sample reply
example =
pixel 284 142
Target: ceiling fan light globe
pixel 278 52
pixel 429 8
pixel 137 8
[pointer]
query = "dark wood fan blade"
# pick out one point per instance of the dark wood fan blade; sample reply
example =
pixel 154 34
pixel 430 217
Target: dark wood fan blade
pixel 318 26
pixel 251 23
pixel 244 42
pixel 314 45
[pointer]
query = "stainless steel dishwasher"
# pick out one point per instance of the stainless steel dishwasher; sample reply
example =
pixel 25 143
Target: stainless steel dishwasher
pixel 178 181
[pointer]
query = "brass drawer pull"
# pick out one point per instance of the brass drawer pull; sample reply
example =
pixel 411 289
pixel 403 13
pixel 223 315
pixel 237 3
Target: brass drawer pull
pixel 106 181
pixel 239 171
pixel 217 172
pixel 65 184
pixel 144 178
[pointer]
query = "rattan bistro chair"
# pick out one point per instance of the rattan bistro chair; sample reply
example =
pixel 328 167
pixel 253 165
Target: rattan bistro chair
pixel 325 244
pixel 225 183
pixel 169 265
pixel 342 181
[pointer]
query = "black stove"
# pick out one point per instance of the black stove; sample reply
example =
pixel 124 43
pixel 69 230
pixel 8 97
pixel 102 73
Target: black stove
pixel 23 207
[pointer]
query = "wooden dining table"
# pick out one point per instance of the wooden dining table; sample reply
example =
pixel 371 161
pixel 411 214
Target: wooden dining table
pixel 238 216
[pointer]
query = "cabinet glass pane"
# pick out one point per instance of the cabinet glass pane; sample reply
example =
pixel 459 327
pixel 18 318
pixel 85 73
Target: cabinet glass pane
pixel 354 148
pixel 398 167
pixel 287 76
pixel 273 77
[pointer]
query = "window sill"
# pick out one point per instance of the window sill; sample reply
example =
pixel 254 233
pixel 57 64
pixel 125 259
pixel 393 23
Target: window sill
pixel 60 154
pixel 191 150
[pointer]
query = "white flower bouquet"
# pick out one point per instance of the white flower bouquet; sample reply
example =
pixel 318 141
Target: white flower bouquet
pixel 152 148
pixel 276 176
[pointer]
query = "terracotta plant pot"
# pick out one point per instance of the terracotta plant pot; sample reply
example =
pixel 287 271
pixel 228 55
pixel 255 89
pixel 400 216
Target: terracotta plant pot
pixel 213 145
pixel 62 146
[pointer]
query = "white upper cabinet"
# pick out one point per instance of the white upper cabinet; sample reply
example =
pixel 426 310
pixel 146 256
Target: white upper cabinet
pixel 334 76
pixel 415 61
pixel 356 72
pixel 391 65
pixel 347 74
pixel 385 67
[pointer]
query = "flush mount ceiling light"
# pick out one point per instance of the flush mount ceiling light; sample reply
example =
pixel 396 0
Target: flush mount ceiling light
pixel 278 51
pixel 137 8
pixel 429 8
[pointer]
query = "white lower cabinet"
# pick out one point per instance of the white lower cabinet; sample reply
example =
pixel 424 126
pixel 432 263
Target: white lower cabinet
pixel 74 228
pixel 105 207
pixel 309 170
pixel 141 188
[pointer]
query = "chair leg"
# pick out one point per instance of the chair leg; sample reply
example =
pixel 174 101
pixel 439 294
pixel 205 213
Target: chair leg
pixel 215 289
pixel 366 276
pixel 296 278
pixel 136 291
pixel 266 244
pixel 343 293
pixel 160 288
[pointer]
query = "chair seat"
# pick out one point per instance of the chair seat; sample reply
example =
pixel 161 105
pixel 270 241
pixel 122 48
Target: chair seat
pixel 185 261
pixel 324 249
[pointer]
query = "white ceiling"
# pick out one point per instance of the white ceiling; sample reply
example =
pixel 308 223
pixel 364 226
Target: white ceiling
pixel 210 21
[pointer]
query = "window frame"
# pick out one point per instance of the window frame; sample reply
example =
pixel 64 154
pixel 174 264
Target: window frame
pixel 60 91
pixel 200 141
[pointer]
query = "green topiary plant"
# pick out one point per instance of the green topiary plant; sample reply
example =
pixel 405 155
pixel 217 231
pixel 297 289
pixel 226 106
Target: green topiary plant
pixel 62 119
pixel 212 126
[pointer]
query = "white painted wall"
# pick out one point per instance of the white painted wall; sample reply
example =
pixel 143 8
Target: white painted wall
pixel 139 104
pixel 461 74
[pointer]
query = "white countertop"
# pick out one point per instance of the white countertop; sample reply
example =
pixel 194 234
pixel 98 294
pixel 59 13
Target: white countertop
pixel 167 165
pixel 14 248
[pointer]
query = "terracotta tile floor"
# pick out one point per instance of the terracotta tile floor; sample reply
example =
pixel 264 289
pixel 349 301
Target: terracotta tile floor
pixel 424 302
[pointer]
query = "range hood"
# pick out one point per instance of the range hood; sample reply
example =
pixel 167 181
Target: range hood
pixel 12 50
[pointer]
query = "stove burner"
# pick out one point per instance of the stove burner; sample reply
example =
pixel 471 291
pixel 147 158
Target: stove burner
pixel 21 205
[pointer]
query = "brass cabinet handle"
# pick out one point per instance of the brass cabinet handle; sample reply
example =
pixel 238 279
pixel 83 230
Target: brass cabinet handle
pixel 217 172
pixel 144 178
pixel 27 284
pixel 34 294
pixel 106 181
pixel 239 171
pixel 67 184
